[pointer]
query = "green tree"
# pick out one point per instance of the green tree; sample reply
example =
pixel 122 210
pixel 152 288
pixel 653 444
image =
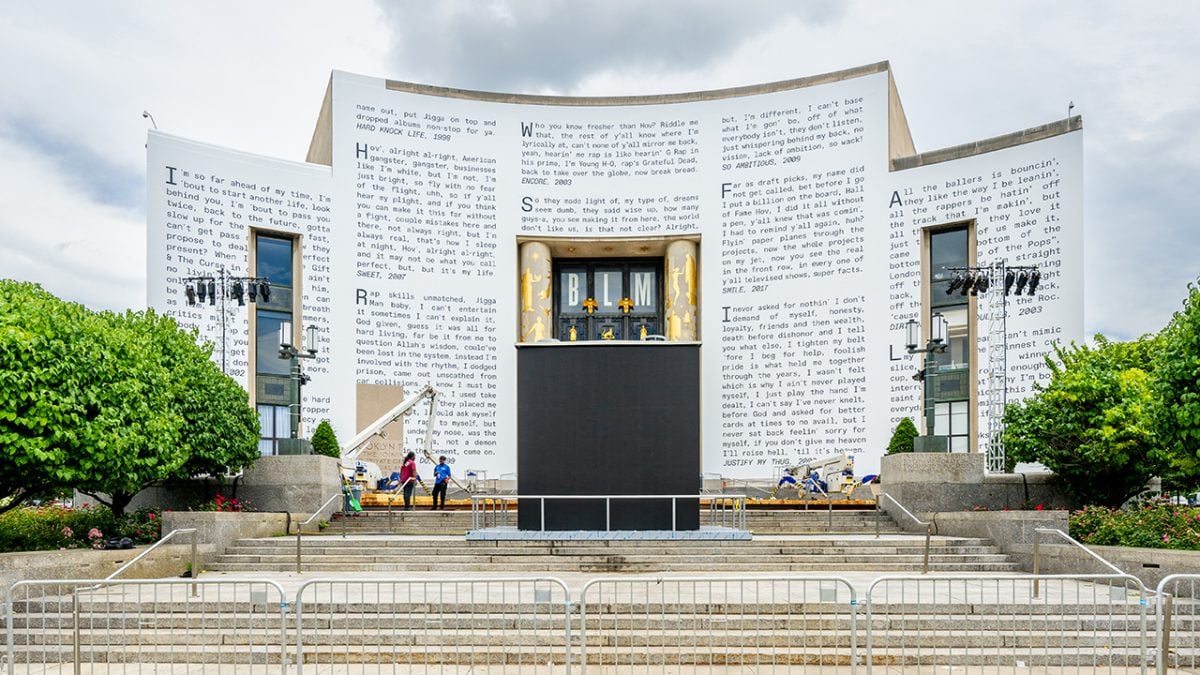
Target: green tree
pixel 325 442
pixel 220 430
pixel 109 403
pixel 132 437
pixel 44 394
pixel 902 437
pixel 1177 384
pixel 1092 424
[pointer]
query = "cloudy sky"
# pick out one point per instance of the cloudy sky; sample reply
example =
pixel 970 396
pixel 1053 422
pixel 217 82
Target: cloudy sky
pixel 76 77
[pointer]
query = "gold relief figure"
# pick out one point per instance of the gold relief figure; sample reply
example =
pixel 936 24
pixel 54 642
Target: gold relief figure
pixel 675 272
pixel 689 277
pixel 643 333
pixel 674 328
pixel 536 332
pixel 527 290
pixel 607 334
pixel 573 333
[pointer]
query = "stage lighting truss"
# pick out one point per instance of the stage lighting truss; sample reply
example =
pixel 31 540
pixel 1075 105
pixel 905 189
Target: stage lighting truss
pixel 199 289
pixel 976 280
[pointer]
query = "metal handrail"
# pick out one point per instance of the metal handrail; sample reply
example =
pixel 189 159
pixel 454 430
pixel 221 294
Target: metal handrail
pixel 1052 530
pixel 479 505
pixel 828 500
pixel 300 527
pixel 918 521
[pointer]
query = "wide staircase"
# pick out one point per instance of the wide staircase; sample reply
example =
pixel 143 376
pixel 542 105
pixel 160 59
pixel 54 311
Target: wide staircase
pixel 784 541
pixel 423 596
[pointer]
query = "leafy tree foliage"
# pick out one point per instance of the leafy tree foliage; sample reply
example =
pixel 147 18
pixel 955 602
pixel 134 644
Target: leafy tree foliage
pixel 109 403
pixel 1093 423
pixel 1177 379
pixel 902 437
pixel 43 389
pixel 324 442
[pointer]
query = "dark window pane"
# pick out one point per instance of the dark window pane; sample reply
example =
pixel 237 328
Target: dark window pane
pixel 267 344
pixel 275 260
pixel 609 290
pixel 947 249
pixel 573 291
pixel 642 290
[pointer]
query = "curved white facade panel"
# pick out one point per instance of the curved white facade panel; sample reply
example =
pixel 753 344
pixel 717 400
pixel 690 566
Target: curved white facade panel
pixel 809 250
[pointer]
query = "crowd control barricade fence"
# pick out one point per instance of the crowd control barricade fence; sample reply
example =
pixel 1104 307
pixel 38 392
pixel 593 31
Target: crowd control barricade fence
pixel 433 625
pixel 977 623
pixel 140 625
pixel 1177 645
pixel 684 625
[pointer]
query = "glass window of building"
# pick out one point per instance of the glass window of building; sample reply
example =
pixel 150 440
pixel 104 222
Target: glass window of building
pixel 276 424
pixel 266 352
pixel 947 248
pixel 274 259
pixel 952 419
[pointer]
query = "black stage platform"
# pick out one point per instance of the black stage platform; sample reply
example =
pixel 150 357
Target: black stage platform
pixel 608 418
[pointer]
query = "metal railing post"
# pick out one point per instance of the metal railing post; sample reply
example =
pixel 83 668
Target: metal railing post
pixel 607 514
pixel 391 528
pixel 928 534
pixel 1164 633
pixel 542 506
pixel 829 500
pixel 1037 559
pixel 75 630
pixel 877 516
pixel 672 514
pixel 299 535
pixel 195 565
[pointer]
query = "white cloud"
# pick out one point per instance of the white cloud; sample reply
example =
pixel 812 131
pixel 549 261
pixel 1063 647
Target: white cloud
pixel 251 75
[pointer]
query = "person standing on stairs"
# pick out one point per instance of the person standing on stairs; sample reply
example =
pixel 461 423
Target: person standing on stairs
pixel 408 479
pixel 441 480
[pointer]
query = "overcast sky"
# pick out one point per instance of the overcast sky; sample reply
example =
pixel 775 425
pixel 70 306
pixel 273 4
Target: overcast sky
pixel 75 78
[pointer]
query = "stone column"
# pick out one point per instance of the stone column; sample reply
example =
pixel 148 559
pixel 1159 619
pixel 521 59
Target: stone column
pixel 535 301
pixel 682 287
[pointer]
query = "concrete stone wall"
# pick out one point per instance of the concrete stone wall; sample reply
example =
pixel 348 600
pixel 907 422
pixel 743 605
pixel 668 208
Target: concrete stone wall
pixel 214 532
pixel 928 483
pixel 1150 565
pixel 296 484
pixel 170 560
pixel 1006 528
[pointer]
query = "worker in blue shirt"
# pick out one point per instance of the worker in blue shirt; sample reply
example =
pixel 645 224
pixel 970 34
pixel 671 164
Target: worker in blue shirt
pixel 441 475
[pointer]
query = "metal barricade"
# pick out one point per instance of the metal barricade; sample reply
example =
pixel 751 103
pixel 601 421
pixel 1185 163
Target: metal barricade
pixel 1178 636
pixel 141 625
pixel 517 625
pixel 1087 623
pixel 760 624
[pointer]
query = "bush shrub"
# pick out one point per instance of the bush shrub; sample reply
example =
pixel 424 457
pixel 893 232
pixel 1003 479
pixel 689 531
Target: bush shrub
pixel 1156 524
pixel 49 528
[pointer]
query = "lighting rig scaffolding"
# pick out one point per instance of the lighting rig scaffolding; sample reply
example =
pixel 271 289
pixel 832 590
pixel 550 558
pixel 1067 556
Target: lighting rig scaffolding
pixel 207 287
pixel 978 281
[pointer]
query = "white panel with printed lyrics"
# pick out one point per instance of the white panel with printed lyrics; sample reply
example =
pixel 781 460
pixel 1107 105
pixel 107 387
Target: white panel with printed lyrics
pixel 203 202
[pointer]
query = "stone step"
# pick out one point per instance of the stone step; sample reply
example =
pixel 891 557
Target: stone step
pixel 613 567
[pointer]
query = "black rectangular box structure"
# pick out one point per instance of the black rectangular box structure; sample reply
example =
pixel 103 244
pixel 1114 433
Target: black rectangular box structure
pixel 608 419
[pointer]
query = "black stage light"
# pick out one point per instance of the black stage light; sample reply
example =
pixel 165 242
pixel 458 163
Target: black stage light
pixel 252 290
pixel 238 292
pixel 919 376
pixel 264 289
pixel 1009 277
pixel 981 284
pixel 955 283
pixel 190 292
pixel 212 292
pixel 202 291
pixel 968 283
pixel 1022 279
pixel 1034 277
